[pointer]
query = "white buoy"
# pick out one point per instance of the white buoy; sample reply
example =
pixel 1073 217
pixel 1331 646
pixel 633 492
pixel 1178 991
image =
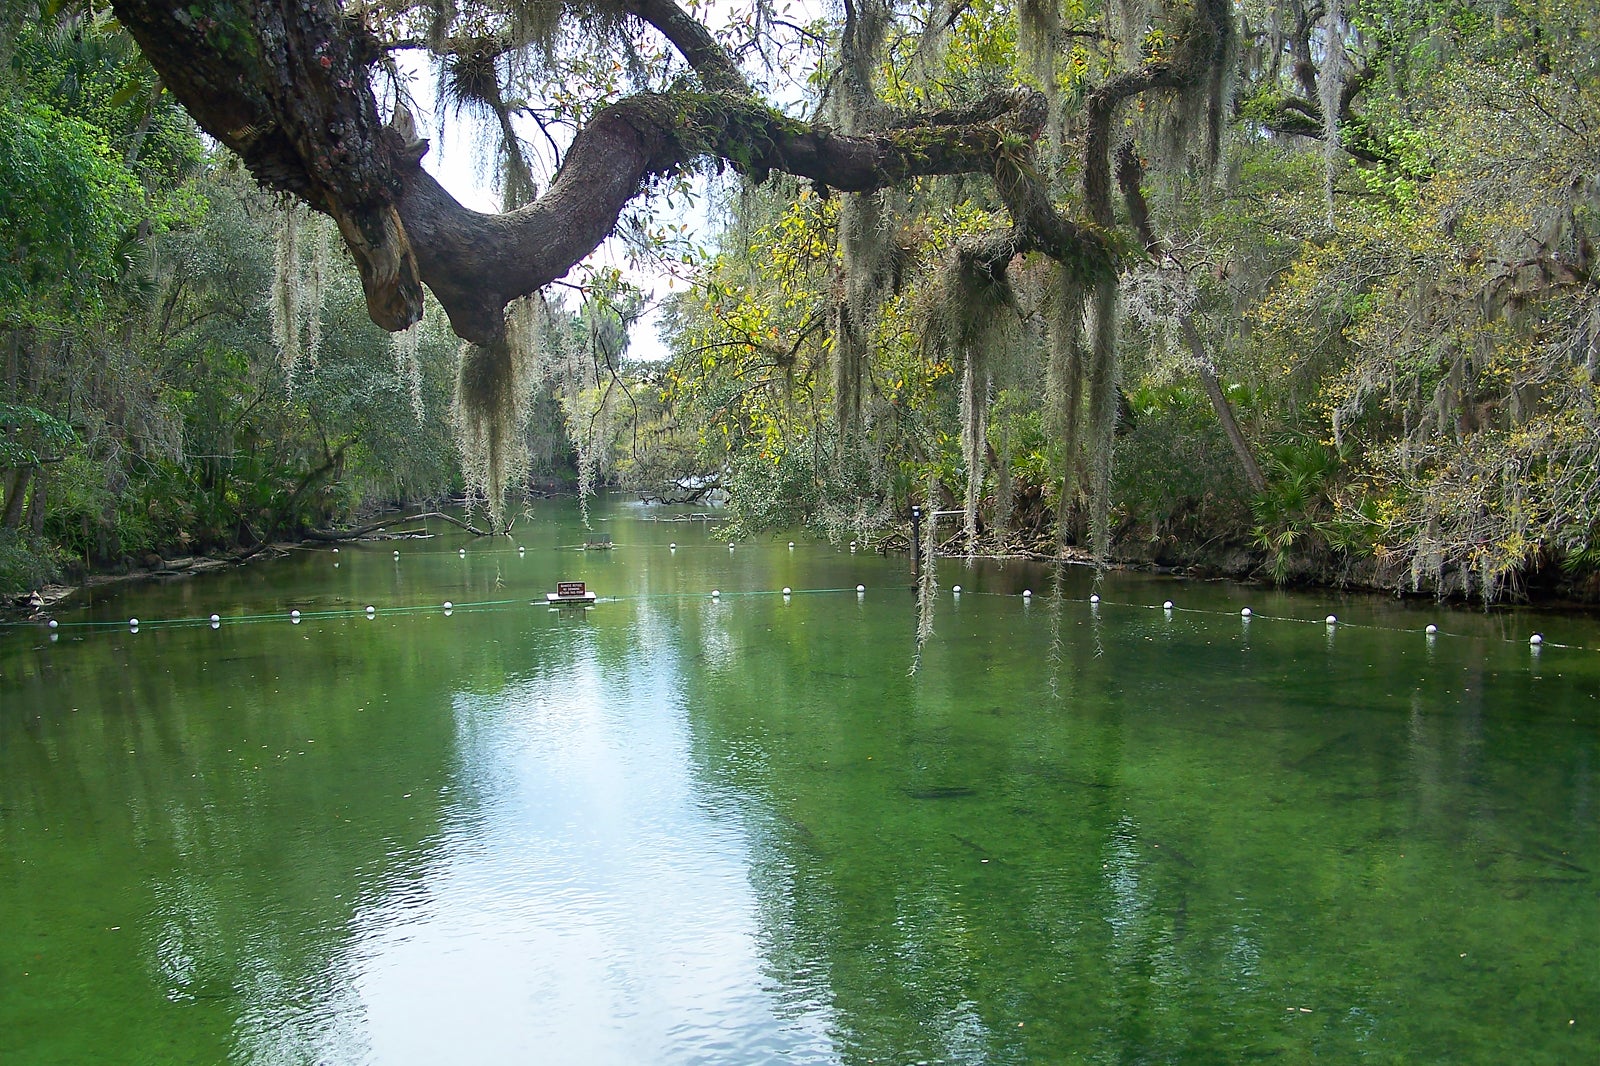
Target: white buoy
pixel 133 623
pixel 1332 620
pixel 730 545
pixel 521 549
pixel 215 619
pixel 956 590
pixel 791 545
pixel 715 593
pixel 861 589
pixel 336 566
pixel 1095 598
pixel 54 623
pixel 786 590
pixel 1167 605
pixel 448 605
pixel 397 553
pixel 463 551
pixel 1244 612
pixel 295 615
pixel 1536 640
pixel 1431 630
pixel 371 609
pixel 1027 594
pixel 336 551
pixel 673 545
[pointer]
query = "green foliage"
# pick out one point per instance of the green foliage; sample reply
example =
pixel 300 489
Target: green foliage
pixel 1297 504
pixel 66 203
pixel 144 406
pixel 26 561
pixel 29 436
pixel 810 480
pixel 1175 485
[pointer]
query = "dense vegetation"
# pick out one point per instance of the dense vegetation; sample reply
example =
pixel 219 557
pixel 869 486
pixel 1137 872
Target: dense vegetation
pixel 147 406
pixel 1296 290
pixel 1360 347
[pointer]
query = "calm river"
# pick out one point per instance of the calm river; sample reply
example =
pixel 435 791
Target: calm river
pixel 673 828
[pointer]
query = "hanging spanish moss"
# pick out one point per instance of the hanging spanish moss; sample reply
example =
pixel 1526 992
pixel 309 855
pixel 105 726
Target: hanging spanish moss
pixel 866 26
pixel 927 578
pixel 288 295
pixel 1064 375
pixel 493 392
pixel 1129 24
pixel 300 272
pixel 1102 414
pixel 972 312
pixel 1330 90
pixel 973 430
pixel 580 375
pixel 867 255
pixel 1004 483
pixel 408 366
pixel 1038 23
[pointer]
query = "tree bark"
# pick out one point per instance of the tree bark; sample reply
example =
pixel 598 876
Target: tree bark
pixel 38 499
pixel 16 492
pixel 1219 403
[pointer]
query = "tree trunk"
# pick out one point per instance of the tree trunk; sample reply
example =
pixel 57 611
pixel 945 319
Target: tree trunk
pixel 1224 409
pixel 16 488
pixel 37 501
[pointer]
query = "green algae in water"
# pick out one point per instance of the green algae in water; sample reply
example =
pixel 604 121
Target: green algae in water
pixel 671 829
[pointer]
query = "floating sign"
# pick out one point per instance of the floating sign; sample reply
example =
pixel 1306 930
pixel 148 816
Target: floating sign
pixel 570 592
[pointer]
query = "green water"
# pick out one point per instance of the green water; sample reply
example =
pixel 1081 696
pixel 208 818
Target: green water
pixel 672 829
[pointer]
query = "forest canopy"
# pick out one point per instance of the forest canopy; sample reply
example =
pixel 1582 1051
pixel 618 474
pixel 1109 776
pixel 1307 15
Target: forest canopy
pixel 1300 289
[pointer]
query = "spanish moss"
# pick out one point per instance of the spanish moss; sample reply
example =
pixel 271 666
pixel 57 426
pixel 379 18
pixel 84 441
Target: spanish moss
pixel 927 579
pixel 300 271
pixel 288 293
pixel 1102 414
pixel 1330 89
pixel 494 389
pixel 866 256
pixel 407 346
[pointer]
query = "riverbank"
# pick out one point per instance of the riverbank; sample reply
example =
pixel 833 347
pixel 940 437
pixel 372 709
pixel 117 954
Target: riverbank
pixel 1224 559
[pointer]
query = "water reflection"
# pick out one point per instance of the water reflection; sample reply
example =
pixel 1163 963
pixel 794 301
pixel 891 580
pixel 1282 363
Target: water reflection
pixel 673 830
pixel 587 900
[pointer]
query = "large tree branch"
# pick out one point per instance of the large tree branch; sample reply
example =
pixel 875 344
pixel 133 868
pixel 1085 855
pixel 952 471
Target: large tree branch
pixel 1199 53
pixel 477 263
pixel 285 84
pixel 712 64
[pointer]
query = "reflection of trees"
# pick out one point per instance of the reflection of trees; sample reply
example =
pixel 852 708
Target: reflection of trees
pixel 1201 836
pixel 1165 866
pixel 204 830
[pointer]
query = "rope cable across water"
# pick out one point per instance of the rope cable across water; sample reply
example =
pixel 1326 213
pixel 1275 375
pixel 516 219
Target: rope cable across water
pixel 522 603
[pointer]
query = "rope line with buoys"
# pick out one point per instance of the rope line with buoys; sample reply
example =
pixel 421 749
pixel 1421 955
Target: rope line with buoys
pixel 1095 602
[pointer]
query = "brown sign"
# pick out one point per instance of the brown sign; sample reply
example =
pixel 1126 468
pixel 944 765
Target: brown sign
pixel 570 588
